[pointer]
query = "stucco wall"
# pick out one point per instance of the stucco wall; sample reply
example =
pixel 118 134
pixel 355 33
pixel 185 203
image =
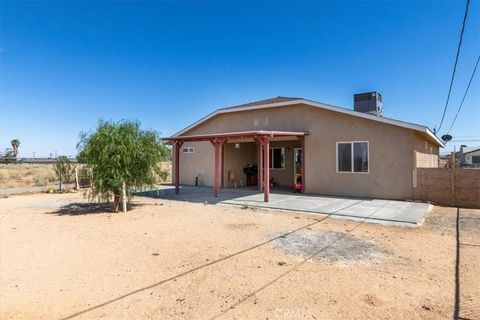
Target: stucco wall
pixel 391 149
pixel 235 159
pixel 200 163
pixel 426 153
pixel 197 164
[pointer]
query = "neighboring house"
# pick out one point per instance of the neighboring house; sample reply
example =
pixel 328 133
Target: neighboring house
pixel 471 157
pixel 332 150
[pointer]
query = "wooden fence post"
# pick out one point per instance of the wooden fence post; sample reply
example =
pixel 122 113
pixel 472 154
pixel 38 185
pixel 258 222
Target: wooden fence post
pixel 454 189
pixel 77 184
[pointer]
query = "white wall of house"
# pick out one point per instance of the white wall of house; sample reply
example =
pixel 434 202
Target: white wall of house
pixel 473 158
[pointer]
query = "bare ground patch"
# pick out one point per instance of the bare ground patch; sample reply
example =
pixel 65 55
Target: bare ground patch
pixel 330 246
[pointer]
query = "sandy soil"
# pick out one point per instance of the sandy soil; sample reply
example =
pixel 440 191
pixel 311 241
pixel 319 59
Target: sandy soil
pixel 167 259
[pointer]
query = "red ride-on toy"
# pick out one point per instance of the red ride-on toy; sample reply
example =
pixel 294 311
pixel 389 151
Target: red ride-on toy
pixel 298 186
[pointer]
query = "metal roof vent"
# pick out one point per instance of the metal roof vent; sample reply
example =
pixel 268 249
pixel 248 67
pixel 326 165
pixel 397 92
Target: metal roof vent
pixel 370 102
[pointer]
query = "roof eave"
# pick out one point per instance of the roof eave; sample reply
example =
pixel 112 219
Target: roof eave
pixel 237 135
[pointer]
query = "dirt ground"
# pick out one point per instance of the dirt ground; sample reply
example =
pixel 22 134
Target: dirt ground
pixel 167 259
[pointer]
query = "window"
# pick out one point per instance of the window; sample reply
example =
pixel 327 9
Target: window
pixel 352 156
pixel 344 157
pixel 277 158
pixel 475 159
pixel 188 150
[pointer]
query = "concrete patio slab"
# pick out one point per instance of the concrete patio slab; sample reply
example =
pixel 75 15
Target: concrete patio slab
pixel 388 212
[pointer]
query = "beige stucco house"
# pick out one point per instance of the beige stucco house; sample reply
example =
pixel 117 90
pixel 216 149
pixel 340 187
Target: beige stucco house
pixel 330 150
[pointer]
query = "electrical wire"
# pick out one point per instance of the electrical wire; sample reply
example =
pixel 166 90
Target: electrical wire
pixel 455 64
pixel 464 95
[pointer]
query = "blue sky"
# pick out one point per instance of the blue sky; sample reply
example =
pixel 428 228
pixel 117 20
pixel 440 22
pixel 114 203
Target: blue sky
pixel 64 65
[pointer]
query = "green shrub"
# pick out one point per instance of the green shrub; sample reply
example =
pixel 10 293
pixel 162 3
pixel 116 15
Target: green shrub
pixel 163 175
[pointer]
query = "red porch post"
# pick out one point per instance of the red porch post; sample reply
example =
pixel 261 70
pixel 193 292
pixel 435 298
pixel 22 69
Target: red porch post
pixel 259 164
pixel 266 167
pixel 217 144
pixel 177 145
pixel 302 164
pixel 222 173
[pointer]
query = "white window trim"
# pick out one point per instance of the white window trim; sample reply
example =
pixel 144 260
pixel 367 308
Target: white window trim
pixel 283 154
pixel 352 142
pixel 188 150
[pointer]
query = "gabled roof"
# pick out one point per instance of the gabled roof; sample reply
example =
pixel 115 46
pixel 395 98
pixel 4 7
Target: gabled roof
pixel 470 149
pixel 263 102
pixel 287 101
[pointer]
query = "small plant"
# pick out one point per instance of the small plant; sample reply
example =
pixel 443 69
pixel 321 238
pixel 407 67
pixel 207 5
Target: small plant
pixel 64 170
pixel 163 175
pixel 8 156
pixel 39 181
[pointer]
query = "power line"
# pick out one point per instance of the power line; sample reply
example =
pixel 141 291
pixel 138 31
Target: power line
pixel 455 64
pixel 474 136
pixel 464 95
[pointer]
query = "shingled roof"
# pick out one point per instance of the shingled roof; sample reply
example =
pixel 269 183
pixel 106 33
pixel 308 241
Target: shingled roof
pixel 264 102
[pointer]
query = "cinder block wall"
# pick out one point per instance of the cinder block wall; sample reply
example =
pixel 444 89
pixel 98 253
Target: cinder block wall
pixel 448 186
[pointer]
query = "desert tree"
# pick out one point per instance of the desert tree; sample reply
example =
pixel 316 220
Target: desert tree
pixel 64 170
pixel 121 156
pixel 15 144
pixel 8 156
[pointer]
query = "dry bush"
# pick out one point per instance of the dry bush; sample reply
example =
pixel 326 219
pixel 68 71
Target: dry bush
pixel 26 175
pixel 38 175
pixel 166 167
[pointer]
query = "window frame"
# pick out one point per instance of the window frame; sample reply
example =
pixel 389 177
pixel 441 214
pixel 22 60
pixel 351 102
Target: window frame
pixel 353 156
pixel 188 150
pixel 272 158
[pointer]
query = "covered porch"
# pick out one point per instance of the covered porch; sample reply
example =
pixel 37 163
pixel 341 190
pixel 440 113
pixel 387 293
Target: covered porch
pixel 382 211
pixel 268 145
